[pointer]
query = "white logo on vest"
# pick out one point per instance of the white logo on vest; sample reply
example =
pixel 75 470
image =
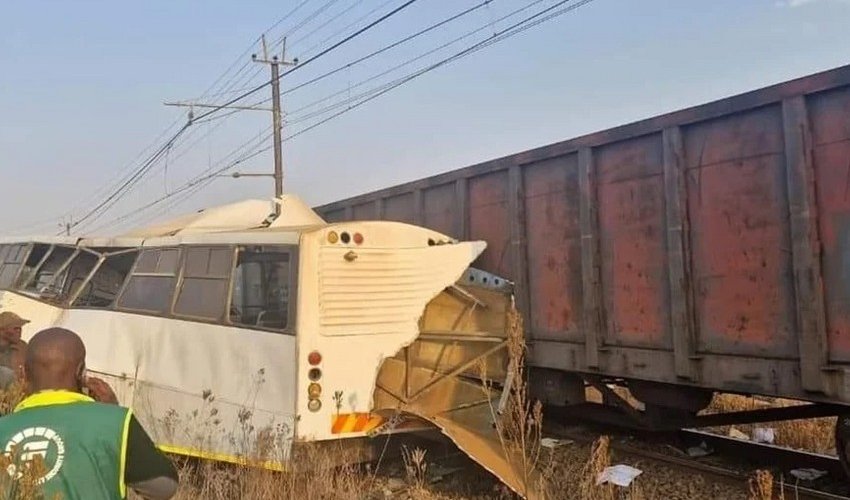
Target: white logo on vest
pixel 37 442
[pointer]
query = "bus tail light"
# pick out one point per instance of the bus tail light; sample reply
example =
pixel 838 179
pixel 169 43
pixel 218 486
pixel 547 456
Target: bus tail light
pixel 314 358
pixel 358 238
pixel 314 374
pixel 314 390
pixel 314 405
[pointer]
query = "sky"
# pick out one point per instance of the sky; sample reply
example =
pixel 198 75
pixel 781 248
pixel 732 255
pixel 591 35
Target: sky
pixel 82 87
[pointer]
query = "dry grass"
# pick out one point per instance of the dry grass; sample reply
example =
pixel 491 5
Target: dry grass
pixel 761 486
pixel 415 467
pixel 313 474
pixel 10 398
pixel 600 458
pixel 815 434
pixel 520 424
pixel 21 482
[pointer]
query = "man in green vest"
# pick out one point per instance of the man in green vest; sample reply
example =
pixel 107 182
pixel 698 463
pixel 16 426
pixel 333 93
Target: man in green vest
pixel 78 447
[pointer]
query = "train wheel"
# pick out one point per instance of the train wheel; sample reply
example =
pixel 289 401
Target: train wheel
pixel 842 441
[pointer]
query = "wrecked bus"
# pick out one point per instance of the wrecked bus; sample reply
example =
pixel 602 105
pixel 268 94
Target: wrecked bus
pixel 235 325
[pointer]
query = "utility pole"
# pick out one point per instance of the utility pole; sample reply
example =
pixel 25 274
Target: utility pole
pixel 277 120
pixel 275 64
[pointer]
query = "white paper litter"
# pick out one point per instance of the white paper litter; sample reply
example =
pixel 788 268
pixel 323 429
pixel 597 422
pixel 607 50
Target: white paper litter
pixel 553 443
pixel 621 475
pixel 808 474
pixel 764 435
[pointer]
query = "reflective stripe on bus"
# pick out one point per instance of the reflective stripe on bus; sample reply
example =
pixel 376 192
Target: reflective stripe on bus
pixel 344 423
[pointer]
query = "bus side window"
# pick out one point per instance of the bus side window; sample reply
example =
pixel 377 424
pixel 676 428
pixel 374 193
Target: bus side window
pixel 100 291
pixel 11 258
pixel 203 289
pixel 39 253
pixel 261 287
pixel 151 285
pixel 42 276
pixel 74 275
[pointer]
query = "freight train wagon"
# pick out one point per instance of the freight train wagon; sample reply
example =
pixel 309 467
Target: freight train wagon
pixel 703 250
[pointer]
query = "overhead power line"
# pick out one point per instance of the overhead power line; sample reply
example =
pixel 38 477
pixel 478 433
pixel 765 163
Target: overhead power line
pixel 134 178
pixel 146 166
pixel 390 46
pixel 526 23
pixel 347 27
pixel 394 68
pixel 251 150
pixel 514 29
pixel 126 174
pixel 302 64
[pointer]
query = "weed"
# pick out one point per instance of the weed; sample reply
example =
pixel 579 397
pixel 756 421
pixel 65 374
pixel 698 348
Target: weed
pixel 519 423
pixel 600 458
pixel 415 466
pixel 761 487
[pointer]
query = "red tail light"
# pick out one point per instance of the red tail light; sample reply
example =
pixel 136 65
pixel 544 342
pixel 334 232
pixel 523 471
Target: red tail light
pixel 314 358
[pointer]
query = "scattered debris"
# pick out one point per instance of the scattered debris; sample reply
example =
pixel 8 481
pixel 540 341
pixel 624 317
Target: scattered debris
pixel 622 475
pixel 735 433
pixel 437 472
pixel 764 435
pixel 553 443
pixel 808 474
pixel 703 450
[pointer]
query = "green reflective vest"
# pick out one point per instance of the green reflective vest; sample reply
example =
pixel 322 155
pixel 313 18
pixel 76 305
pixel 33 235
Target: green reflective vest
pixel 82 445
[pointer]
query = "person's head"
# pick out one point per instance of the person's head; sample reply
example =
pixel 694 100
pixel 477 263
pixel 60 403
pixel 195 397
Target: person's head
pixel 10 327
pixel 56 359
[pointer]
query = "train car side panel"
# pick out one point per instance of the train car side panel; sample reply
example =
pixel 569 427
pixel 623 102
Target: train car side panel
pixel 488 221
pixel 439 209
pixel 739 232
pixel 630 196
pixel 554 248
pixel 708 246
pixel 828 114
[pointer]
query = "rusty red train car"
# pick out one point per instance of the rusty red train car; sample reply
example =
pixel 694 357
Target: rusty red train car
pixel 703 250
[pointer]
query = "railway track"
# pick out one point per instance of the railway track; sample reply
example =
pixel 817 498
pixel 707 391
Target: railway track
pixel 732 460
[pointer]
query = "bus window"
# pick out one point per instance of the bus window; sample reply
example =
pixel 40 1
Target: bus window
pixel 100 291
pixel 206 276
pixel 36 257
pixel 261 287
pixel 11 257
pixel 72 277
pixel 151 286
pixel 43 275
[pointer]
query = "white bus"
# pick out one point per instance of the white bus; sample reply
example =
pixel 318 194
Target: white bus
pixel 232 325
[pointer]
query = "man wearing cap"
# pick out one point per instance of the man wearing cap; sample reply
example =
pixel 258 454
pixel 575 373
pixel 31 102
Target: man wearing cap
pixel 12 348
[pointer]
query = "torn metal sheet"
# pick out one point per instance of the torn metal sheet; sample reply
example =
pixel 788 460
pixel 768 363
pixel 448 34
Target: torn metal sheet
pixel 451 375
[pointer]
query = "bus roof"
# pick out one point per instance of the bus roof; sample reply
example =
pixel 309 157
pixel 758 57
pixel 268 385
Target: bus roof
pixel 248 221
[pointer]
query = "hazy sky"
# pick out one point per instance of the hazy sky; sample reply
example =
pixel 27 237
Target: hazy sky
pixel 82 85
